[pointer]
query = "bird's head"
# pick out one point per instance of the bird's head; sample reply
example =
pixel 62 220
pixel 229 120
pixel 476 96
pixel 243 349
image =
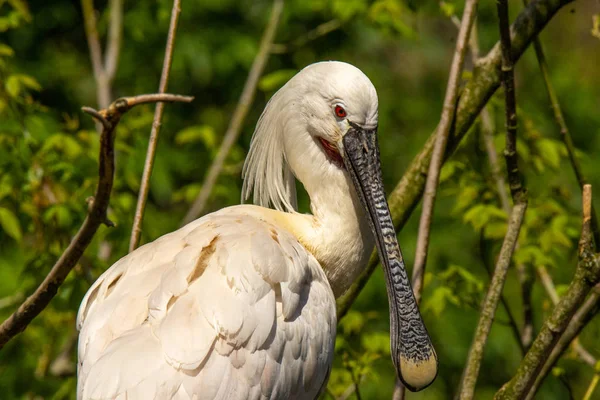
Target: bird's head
pixel 335 98
pixel 300 133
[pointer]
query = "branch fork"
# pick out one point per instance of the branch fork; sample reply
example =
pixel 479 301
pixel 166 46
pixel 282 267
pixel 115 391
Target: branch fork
pixel 97 209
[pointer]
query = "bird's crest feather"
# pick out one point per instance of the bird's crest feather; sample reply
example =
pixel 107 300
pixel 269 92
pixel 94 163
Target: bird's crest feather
pixel 266 171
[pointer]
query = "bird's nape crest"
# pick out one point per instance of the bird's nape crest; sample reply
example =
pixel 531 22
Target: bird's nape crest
pixel 266 171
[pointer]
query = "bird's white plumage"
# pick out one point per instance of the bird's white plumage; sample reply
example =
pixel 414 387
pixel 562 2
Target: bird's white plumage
pixel 240 303
pixel 227 307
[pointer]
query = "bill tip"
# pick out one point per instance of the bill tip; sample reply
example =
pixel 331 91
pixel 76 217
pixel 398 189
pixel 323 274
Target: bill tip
pixel 418 374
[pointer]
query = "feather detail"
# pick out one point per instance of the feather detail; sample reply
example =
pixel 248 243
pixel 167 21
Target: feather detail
pixel 266 171
pixel 227 312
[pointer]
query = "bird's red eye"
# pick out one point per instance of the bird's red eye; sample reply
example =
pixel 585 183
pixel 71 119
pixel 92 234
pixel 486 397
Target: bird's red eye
pixel 340 112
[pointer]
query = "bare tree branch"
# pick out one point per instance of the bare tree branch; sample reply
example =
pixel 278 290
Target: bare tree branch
pixel 439 148
pixel 485 81
pixel 515 181
pixel 471 372
pixel 488 130
pixel 239 115
pixel 523 336
pixel 512 322
pixel 104 74
pixel 526 333
pixel 587 274
pixel 98 205
pixel 519 195
pixel 548 285
pixel 136 230
pixel 589 309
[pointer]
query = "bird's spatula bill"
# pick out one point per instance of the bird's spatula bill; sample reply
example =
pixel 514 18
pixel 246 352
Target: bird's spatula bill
pixel 412 352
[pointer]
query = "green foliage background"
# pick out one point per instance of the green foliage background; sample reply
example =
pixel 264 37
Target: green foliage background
pixel 48 165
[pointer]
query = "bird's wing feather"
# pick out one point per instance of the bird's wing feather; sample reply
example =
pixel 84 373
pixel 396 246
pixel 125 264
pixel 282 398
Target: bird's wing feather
pixel 228 307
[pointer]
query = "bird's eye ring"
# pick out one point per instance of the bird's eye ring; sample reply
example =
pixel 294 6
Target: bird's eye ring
pixel 340 112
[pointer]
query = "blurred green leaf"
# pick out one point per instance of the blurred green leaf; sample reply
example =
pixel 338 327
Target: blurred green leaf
pixel 197 133
pixel 391 14
pixel 550 151
pixel 347 9
pixel 352 322
pixel 448 8
pixel 10 224
pixel 274 80
pixel 6 51
pixel 376 342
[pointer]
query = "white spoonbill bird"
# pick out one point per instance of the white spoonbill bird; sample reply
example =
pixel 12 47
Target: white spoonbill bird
pixel 240 304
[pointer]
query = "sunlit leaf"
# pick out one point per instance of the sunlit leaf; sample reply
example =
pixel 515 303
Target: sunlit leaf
pixel 352 322
pixel 6 51
pixel 13 85
pixel 347 9
pixel 376 342
pixel 195 134
pixel 275 80
pixel 10 224
pixel 550 151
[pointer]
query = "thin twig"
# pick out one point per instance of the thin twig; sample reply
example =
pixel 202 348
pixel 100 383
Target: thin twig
pixel 525 335
pixel 98 205
pixel 515 182
pixel 512 322
pixel 321 30
pixel 526 282
pixel 63 366
pixel 9 301
pixel 592 387
pixel 471 372
pixel 439 148
pixel 548 285
pixel 347 393
pixel 399 391
pixel 156 98
pixel 475 95
pixel 519 195
pixel 104 73
pixel 568 141
pixel 102 89
pixel 488 130
pixel 115 33
pixel 91 33
pixel 239 115
pixel 589 309
pixel 136 230
pixel 564 129
pixel 587 274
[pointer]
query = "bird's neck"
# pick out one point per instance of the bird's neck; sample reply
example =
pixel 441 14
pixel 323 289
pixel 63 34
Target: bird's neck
pixel 340 237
